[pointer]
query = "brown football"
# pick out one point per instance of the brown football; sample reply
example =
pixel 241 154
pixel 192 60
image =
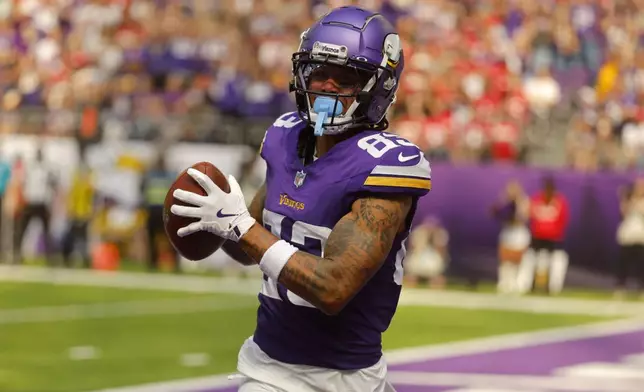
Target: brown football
pixel 199 245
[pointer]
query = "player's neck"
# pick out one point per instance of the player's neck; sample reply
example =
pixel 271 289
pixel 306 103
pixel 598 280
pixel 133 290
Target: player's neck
pixel 323 144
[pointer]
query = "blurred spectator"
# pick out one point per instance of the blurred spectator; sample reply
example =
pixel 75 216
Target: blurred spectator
pixel 80 209
pixel 14 201
pixel 38 188
pixel 542 91
pixel 581 146
pixel 545 263
pixel 155 185
pixel 608 75
pixel 116 229
pixel 512 211
pixel 5 176
pixel 630 237
pixel 10 116
pixel 428 255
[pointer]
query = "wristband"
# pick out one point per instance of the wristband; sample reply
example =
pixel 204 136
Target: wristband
pixel 275 258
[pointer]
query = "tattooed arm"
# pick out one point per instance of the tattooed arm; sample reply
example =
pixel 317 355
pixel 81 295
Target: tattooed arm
pixel 354 252
pixel 255 209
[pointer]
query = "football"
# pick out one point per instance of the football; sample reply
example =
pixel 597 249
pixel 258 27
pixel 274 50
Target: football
pixel 199 245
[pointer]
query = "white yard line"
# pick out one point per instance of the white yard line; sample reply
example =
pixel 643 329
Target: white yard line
pixel 251 286
pixel 526 304
pixel 118 309
pixel 131 280
pixel 402 356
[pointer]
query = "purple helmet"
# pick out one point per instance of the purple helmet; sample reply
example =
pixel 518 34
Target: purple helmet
pixel 365 45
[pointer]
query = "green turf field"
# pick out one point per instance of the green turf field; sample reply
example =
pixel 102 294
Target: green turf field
pixel 139 336
pixel 20 295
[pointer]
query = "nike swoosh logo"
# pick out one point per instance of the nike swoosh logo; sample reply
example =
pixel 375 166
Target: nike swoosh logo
pixel 220 215
pixel 403 158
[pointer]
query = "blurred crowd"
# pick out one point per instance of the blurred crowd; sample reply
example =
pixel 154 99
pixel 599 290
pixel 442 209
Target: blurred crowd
pixel 485 80
pixel 488 79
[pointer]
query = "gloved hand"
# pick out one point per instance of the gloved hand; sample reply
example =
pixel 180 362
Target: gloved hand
pixel 223 214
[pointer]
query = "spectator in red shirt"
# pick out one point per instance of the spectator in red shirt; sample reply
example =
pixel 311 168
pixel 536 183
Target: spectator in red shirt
pixel 546 260
pixel 549 217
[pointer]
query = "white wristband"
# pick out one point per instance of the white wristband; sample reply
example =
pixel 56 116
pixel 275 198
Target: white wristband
pixel 275 258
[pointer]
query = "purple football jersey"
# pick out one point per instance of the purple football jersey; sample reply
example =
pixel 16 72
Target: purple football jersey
pixel 303 204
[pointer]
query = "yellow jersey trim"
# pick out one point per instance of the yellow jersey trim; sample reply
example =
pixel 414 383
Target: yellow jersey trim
pixel 399 182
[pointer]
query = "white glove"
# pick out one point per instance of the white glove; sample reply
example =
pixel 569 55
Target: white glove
pixel 223 214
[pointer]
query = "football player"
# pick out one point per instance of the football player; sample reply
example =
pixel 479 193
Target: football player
pixel 328 227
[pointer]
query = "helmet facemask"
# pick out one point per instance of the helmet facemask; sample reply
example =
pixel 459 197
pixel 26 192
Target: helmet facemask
pixel 354 80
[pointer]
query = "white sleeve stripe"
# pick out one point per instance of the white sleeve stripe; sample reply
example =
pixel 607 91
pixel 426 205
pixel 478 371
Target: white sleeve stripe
pixel 421 170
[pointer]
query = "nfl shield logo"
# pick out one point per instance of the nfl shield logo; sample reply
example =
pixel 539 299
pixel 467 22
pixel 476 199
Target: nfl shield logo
pixel 299 178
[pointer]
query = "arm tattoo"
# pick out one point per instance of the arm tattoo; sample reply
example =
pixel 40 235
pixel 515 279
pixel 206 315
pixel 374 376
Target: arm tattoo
pixel 355 251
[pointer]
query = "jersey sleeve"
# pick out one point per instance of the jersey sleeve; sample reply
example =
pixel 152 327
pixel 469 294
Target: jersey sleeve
pixel 267 143
pixel 276 137
pixel 400 167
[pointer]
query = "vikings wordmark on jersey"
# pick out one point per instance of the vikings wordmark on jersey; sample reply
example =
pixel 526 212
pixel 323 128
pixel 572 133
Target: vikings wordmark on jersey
pixel 303 212
pixel 287 201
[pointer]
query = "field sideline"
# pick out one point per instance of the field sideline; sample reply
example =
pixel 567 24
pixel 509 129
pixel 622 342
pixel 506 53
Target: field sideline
pixel 249 286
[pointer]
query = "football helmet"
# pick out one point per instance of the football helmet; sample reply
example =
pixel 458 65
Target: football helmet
pixel 357 48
